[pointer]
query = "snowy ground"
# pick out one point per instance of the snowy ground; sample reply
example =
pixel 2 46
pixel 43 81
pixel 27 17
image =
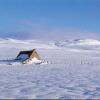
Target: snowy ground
pixel 72 72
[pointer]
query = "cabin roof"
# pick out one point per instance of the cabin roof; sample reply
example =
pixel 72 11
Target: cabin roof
pixel 27 54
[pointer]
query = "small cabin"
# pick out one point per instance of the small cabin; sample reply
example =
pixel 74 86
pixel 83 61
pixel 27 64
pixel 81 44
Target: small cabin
pixel 28 56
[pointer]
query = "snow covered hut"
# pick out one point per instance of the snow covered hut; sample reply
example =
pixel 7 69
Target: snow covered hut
pixel 28 56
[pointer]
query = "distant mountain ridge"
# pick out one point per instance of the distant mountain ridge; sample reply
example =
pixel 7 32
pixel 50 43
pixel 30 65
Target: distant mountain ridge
pixel 85 44
pixel 78 42
pixel 58 43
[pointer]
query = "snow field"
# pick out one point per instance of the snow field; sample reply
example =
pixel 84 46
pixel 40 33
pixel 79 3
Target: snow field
pixel 69 74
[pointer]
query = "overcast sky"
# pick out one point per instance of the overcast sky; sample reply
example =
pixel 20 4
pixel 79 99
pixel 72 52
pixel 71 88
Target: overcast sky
pixel 50 19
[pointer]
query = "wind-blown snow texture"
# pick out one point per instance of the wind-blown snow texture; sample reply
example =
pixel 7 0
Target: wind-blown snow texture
pixel 72 72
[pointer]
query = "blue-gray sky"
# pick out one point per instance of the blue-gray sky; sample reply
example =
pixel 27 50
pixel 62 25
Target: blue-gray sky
pixel 52 19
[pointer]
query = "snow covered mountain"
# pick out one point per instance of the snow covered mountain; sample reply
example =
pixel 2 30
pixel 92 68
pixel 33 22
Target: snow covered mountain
pixel 84 44
pixel 79 42
pixel 9 42
pixel 66 43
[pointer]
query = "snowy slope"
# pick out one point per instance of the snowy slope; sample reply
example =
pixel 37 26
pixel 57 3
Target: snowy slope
pixel 85 44
pixel 79 42
pixel 69 74
pixel 13 43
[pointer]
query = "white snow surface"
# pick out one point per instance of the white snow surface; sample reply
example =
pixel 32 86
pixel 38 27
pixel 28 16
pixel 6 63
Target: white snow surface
pixel 35 60
pixel 72 72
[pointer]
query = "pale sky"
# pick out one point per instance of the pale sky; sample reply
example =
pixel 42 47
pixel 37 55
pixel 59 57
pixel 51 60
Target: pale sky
pixel 50 19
